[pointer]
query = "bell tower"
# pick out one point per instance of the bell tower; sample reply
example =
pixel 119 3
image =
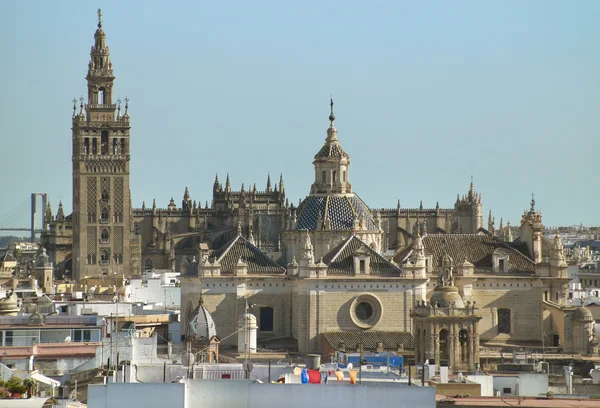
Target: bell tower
pixel 101 198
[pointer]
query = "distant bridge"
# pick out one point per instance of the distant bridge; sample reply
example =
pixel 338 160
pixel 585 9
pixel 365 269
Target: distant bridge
pixel 15 219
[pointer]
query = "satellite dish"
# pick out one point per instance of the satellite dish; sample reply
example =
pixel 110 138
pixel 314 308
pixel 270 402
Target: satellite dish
pixel 68 339
pixel 188 359
pixel 248 366
pixel 350 366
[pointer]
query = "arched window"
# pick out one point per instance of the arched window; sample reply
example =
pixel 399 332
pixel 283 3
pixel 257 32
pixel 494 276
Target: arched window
pixel 115 146
pixel 104 196
pixel 504 321
pixel 123 151
pixel 334 177
pixel 104 236
pixel 101 96
pixel 86 146
pixel 344 176
pixel 94 146
pixel 324 177
pixel 104 142
pixel 104 217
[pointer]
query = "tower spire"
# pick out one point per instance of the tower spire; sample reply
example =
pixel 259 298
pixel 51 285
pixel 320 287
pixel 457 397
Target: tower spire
pixel 331 115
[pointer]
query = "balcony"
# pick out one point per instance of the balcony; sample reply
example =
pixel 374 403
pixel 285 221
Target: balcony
pixel 104 240
pixel 104 220
pixel 104 263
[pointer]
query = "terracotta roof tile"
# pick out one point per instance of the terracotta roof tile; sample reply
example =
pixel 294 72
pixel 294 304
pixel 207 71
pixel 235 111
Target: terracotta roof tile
pixel 475 248
pixel 340 259
pixel 258 262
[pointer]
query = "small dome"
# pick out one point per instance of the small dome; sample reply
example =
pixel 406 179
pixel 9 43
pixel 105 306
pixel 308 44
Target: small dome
pixel 202 324
pixel 445 296
pixel 583 314
pixel 247 317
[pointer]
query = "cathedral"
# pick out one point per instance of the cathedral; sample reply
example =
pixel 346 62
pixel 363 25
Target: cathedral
pixel 326 274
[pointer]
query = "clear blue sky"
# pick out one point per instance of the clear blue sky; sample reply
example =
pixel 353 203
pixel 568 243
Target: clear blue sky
pixel 427 93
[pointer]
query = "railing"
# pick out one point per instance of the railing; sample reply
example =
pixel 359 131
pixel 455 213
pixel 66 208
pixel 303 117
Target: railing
pixel 104 263
pixel 104 220
pixel 101 106
pixel 104 241
pixel 95 156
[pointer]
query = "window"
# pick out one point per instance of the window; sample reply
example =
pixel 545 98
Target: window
pixel 86 146
pixel 104 196
pixel 104 219
pixel 266 319
pixel 504 321
pixel 324 176
pixel 104 236
pixel 115 146
pixel 101 96
pixel 334 177
pixel 104 257
pixel 506 390
pixel 344 176
pixel 94 146
pixel 104 142
pixel 148 265
pixel 362 267
pixel 364 311
pixel 123 146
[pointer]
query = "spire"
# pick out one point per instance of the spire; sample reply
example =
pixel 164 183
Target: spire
pixel 60 214
pixel 227 184
pixel 508 235
pixel 532 210
pixel 126 115
pixel 421 205
pixel 268 183
pixel 74 107
pixel 332 131
pixel 281 187
pixel 154 204
pixel 48 213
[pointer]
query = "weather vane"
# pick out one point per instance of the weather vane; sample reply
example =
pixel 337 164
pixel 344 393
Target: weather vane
pixel 99 17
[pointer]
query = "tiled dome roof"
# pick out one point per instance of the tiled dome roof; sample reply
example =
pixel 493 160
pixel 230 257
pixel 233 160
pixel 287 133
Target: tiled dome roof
pixel 340 211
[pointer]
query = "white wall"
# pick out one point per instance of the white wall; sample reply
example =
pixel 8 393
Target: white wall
pixel 170 395
pixel 529 384
pixel 153 291
pixel 244 394
pixel 487 384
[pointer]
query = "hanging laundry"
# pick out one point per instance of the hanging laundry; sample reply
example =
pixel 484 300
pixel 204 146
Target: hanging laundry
pixel 314 377
pixel 339 375
pixel 353 374
pixel 304 376
pixel 324 377
pixel 297 371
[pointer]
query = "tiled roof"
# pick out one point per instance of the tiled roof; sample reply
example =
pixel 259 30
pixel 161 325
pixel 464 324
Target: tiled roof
pixel 339 210
pixel 332 149
pixel 524 249
pixel 340 259
pixel 475 248
pixel 258 262
pixel 390 339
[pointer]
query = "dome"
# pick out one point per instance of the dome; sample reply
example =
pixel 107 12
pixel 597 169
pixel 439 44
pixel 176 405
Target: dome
pixel 339 212
pixel 583 314
pixel 446 295
pixel 202 324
